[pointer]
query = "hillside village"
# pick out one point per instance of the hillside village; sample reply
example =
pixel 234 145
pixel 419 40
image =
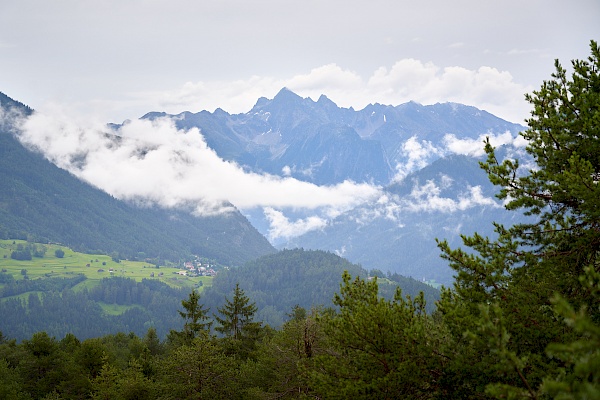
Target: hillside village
pixel 197 268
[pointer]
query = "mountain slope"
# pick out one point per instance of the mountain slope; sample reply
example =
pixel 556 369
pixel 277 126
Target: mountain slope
pixel 397 232
pixel 41 201
pixel 307 278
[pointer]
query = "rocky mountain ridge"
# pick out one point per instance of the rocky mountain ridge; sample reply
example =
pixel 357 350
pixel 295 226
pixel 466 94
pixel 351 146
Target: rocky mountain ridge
pixel 322 143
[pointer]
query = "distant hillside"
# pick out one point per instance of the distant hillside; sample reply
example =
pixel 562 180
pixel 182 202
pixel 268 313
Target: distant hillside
pixel 42 202
pixel 278 282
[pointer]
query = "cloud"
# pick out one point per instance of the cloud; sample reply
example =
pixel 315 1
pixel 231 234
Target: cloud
pixel 418 155
pixel 281 227
pixel 408 79
pixel 428 198
pixel 423 198
pixel 152 162
pixel 474 147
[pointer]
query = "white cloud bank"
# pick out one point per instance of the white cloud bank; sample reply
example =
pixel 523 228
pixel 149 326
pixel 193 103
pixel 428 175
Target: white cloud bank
pixel 282 227
pixel 486 88
pixel 427 198
pixel 153 162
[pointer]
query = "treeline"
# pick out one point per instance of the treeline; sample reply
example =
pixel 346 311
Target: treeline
pixel 14 287
pixel 246 360
pixel 307 278
pixel 276 283
pixel 366 348
pixel 54 307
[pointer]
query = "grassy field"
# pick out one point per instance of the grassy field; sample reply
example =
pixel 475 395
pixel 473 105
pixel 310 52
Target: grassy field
pixel 115 309
pixel 94 267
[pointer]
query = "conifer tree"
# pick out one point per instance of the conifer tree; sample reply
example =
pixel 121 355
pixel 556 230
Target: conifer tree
pixel 237 316
pixel 196 320
pixel 502 296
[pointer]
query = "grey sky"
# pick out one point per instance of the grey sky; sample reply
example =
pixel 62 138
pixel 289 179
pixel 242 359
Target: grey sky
pixel 118 59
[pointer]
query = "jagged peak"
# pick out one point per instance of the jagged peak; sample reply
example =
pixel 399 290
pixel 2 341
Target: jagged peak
pixel 220 111
pixel 324 100
pixel 286 94
pixel 152 115
pixel 262 101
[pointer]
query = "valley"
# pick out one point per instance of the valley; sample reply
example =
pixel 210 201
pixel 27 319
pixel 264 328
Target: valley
pixel 162 287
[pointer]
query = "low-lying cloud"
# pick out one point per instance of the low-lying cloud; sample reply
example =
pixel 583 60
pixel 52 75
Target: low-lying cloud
pixel 152 162
pixel 418 154
pixel 282 228
pixel 475 147
pixel 428 198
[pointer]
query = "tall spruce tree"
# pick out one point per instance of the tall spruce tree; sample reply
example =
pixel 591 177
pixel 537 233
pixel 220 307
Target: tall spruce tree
pixel 196 320
pixel 502 298
pixel 237 316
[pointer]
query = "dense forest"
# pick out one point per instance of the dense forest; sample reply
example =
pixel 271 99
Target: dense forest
pixel 276 283
pixel 298 277
pixel 54 307
pixel 522 320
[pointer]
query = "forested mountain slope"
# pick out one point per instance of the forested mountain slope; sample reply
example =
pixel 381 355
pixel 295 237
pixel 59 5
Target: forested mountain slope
pixel 306 278
pixel 40 201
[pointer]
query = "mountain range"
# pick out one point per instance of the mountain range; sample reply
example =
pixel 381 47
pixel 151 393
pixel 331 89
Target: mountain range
pixel 422 158
pixel 322 143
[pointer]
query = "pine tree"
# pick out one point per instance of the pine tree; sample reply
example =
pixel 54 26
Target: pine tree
pixel 503 289
pixel 380 348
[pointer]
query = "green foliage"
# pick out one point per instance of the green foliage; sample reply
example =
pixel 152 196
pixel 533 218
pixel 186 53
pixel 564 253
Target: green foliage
pixel 21 255
pixel 11 383
pixel 379 348
pixel 580 376
pixel 236 323
pixel 196 320
pixel 200 370
pixel 59 253
pixel 237 316
pixel 280 369
pixel 501 301
pixel 122 384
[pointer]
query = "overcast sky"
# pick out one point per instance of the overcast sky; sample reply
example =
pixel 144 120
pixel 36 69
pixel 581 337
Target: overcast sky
pixel 84 63
pixel 119 59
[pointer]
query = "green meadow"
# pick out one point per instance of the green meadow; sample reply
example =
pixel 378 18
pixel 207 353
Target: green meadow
pixel 94 266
